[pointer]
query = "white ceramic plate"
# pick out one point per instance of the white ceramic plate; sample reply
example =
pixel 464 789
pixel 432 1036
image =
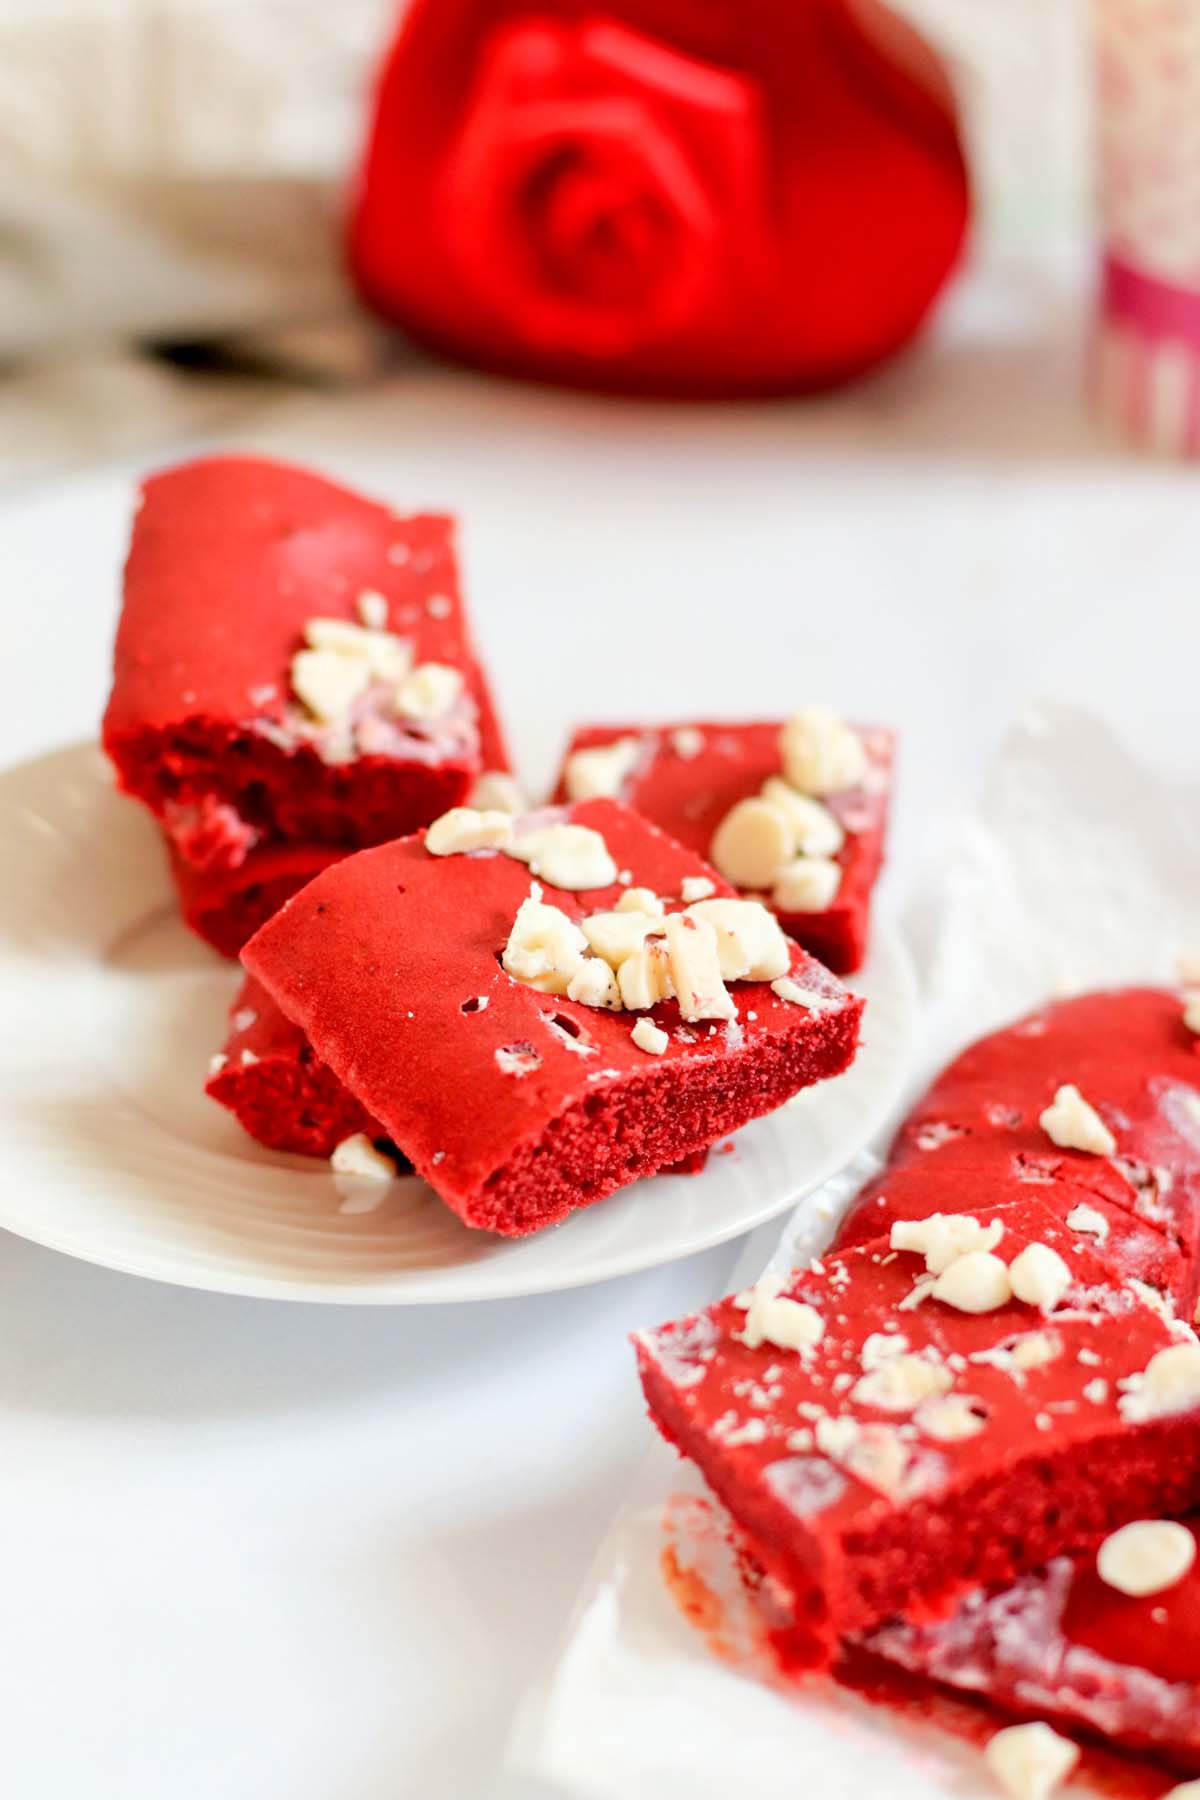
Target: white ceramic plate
pixel 113 1153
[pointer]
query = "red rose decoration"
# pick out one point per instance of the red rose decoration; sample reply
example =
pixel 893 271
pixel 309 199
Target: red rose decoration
pixel 763 201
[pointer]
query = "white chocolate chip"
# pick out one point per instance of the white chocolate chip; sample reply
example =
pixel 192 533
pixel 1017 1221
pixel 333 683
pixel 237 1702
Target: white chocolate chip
pixel 594 984
pixel 808 885
pixel 1146 1557
pixel 752 844
pixel 328 683
pixel 600 773
pixel 388 658
pixel 900 1383
pixel 1036 1349
pixel 1072 1124
pixel 544 949
pixel 772 1318
pixel 791 991
pixel 1186 1790
pixel 815 831
pixel 645 978
pixel 696 969
pixel 357 1155
pixel 462 829
pixel 975 1283
pixel 1170 1383
pixel 217 1063
pixel 1039 1276
pixel 496 791
pixel 429 691
pixel 372 609
pixel 1030 1761
pixel 696 887
pixel 820 752
pixel 1088 1222
pixel 617 935
pixel 950 1419
pixel 641 900
pixel 943 1237
pixel 750 944
pixel 567 856
pixel 687 742
pixel 650 1037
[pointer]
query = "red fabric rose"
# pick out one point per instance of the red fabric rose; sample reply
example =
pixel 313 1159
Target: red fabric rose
pixel 765 197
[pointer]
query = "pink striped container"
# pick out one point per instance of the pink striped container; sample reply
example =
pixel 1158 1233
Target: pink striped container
pixel 1148 118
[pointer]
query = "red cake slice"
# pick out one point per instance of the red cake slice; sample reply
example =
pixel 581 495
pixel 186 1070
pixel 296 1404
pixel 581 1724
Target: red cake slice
pixel 689 777
pixel 293 665
pixel 890 1435
pixel 1063 1644
pixel 226 906
pixel 519 1103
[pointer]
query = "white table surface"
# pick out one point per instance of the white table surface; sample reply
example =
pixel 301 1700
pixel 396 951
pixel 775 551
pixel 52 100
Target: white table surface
pixel 254 1549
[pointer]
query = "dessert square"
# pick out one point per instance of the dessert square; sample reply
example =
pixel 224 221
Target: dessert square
pixel 531 1065
pixel 728 791
pixel 225 907
pixel 292 665
pixel 930 1412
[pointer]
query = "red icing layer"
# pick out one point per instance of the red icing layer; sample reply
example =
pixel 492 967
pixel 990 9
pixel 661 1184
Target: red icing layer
pixel 276 1088
pixel 230 558
pixel 382 960
pixel 690 795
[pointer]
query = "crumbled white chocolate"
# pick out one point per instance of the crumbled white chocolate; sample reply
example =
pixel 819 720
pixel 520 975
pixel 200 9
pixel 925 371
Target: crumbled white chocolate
pixel 880 1347
pixel 1088 1222
pixel 1147 1557
pixel 545 948
pixel 773 1318
pixel 1095 1391
pixel 641 900
pixel 1035 1349
pixel 901 1383
pixel 600 773
pixel 372 609
pixel 649 1036
pixel 815 831
pixel 518 1060
pixel 430 690
pixel 752 844
pixel 243 1018
pixel 645 977
pixel 696 969
pixel 975 1283
pixel 1170 1383
pixel 750 944
pixel 386 657
pixel 787 988
pixel 807 885
pixel 217 1063
pixel 439 606
pixel 594 984
pixel 1030 1761
pixel 943 1237
pixel 496 791
pixel 880 1456
pixel 617 935
pixel 821 754
pixel 567 856
pixel 328 683
pixel 696 887
pixel 463 828
pixel 950 1418
pixel 687 742
pixel 357 1155
pixel 1039 1276
pixel 1073 1124
pixel 246 1058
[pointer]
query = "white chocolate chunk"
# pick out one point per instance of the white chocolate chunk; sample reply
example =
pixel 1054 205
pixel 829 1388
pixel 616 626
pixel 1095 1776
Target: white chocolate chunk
pixel 791 991
pixel 641 900
pixel 496 791
pixel 752 844
pixel 950 1418
pixel 328 684
pixel 617 935
pixel 1187 1790
pixel 1072 1124
pixel 773 1318
pixel 463 828
pixel 1039 1276
pixel 388 658
pixel 600 773
pixel 594 984
pixel 687 742
pixel 1147 1557
pixel 943 1237
pixel 430 690
pixel 696 969
pixel 544 948
pixel 900 1383
pixel 975 1283
pixel 372 609
pixel 567 856
pixel 1088 1222
pixel 750 944
pixel 1170 1383
pixel 1030 1761
pixel 820 752
pixel 696 887
pixel 649 1036
pixel 807 885
pixel 357 1155
pixel 815 831
pixel 645 977
pixel 1036 1350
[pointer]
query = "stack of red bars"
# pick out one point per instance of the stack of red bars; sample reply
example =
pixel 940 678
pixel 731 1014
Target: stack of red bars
pixel 963 1440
